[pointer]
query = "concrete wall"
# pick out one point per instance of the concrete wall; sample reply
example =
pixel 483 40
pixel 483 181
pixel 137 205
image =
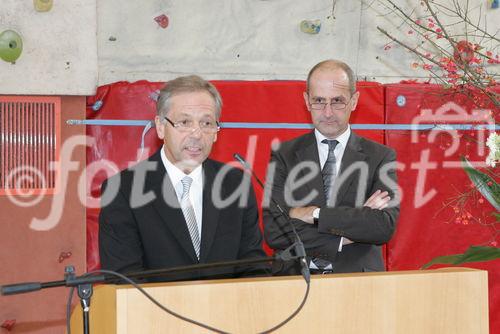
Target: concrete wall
pixel 80 44
pixel 258 39
pixel 59 48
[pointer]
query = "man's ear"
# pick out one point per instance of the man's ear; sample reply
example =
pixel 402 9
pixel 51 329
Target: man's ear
pixel 354 100
pixel 160 127
pixel 306 99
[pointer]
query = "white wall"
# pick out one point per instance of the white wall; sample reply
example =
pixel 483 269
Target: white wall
pixel 218 39
pixel 254 39
pixel 223 39
pixel 59 48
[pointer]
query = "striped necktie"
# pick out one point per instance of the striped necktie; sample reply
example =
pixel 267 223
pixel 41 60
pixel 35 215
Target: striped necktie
pixel 188 211
pixel 329 169
pixel 328 172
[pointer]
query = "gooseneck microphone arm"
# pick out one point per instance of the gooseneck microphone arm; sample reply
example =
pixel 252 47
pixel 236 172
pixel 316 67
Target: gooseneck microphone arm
pixel 296 250
pixel 84 283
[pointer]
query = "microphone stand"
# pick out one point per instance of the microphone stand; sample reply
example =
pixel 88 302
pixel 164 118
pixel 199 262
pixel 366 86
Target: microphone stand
pixel 84 283
pixel 296 250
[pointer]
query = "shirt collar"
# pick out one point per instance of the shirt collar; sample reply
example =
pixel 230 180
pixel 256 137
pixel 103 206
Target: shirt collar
pixel 342 139
pixel 175 174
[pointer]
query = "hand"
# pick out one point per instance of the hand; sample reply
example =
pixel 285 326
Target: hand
pixel 378 200
pixel 303 213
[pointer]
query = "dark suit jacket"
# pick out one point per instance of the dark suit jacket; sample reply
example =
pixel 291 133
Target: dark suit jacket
pixel 362 165
pixel 154 235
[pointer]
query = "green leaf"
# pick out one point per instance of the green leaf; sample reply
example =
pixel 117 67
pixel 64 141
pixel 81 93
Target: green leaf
pixel 449 259
pixel 497 216
pixel 473 254
pixel 481 180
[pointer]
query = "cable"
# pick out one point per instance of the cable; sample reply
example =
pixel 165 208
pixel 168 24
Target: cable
pixel 157 303
pixel 281 324
pixel 152 299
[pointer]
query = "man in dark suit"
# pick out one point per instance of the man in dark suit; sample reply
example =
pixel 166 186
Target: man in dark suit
pixel 178 207
pixel 338 188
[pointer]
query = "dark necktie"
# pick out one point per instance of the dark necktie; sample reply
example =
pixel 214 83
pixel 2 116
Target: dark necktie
pixel 328 172
pixel 329 169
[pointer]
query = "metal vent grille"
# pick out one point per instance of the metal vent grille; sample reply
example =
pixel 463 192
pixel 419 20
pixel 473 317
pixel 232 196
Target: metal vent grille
pixel 30 140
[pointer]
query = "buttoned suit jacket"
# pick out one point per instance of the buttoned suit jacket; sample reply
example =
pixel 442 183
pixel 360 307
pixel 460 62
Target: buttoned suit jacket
pixel 365 164
pixel 135 236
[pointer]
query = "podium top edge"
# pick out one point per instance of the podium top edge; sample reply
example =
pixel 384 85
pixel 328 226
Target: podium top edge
pixel 440 271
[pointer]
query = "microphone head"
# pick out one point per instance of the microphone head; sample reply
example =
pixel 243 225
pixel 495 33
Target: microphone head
pixel 240 159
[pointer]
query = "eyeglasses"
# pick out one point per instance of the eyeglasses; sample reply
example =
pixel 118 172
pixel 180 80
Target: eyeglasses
pixel 335 103
pixel 187 125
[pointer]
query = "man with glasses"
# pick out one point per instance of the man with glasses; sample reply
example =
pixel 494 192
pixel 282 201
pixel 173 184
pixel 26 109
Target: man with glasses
pixel 338 188
pixel 171 210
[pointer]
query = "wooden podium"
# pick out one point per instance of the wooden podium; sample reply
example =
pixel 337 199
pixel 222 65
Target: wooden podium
pixel 432 301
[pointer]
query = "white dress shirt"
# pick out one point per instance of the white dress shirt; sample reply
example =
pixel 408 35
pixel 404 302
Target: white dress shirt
pixel 339 149
pixel 338 152
pixel 195 191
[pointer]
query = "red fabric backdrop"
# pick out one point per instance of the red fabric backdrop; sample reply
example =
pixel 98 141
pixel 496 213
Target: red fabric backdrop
pixel 424 232
pixel 256 102
pixel 428 230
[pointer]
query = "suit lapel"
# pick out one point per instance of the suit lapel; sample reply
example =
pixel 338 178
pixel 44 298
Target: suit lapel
pixel 168 207
pixel 352 154
pixel 309 152
pixel 210 212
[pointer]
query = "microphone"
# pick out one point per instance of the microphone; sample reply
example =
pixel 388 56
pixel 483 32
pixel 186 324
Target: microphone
pixel 19 288
pixel 296 250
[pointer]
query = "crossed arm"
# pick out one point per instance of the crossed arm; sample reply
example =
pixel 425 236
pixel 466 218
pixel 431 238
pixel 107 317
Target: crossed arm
pixel 378 201
pixel 372 223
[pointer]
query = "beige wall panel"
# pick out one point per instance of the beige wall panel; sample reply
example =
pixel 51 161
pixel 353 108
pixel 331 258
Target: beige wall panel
pixel 27 255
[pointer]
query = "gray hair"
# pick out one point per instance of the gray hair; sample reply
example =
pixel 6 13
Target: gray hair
pixel 186 84
pixel 332 64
